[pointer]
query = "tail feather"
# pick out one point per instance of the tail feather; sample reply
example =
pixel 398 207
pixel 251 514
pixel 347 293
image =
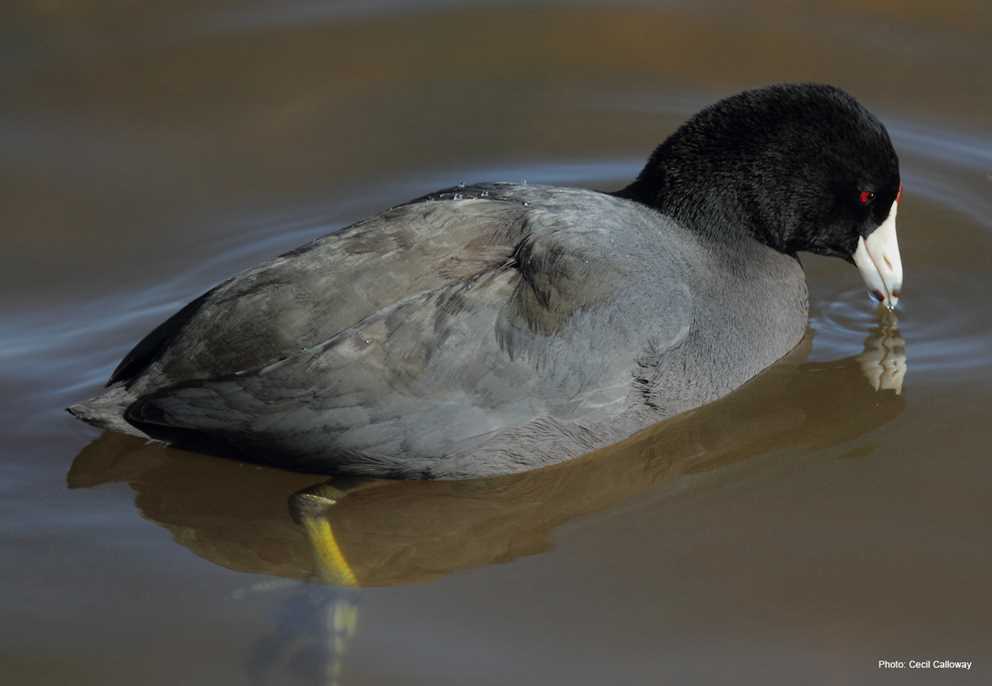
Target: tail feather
pixel 106 411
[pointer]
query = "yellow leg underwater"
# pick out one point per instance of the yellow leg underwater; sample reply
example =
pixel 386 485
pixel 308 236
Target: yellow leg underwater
pixel 332 565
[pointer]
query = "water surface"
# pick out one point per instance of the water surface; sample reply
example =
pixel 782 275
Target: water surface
pixel 833 512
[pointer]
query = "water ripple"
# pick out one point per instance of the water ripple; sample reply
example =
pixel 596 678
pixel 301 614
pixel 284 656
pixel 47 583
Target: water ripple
pixel 942 340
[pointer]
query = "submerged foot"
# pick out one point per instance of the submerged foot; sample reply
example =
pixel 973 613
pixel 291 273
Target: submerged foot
pixel 311 508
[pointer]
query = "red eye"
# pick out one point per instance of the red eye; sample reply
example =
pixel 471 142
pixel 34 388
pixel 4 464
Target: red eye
pixel 866 197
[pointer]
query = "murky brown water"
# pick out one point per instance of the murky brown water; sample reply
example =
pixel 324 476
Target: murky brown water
pixel 794 532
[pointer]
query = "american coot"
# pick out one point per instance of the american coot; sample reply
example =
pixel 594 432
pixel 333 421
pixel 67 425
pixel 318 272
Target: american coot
pixel 499 327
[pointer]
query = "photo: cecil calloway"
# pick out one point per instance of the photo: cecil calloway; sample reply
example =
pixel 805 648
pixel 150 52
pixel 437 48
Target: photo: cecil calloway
pixel 926 664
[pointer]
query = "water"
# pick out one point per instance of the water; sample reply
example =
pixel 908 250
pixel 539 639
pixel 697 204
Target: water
pixel 795 532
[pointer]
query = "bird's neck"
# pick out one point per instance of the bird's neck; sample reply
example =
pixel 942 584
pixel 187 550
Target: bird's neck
pixel 712 204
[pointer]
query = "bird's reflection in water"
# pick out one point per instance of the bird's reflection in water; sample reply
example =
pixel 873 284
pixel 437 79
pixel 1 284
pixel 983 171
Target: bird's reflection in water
pixel 369 533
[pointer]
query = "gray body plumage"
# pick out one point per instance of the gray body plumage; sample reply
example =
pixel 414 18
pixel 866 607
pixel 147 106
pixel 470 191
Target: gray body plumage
pixel 480 331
